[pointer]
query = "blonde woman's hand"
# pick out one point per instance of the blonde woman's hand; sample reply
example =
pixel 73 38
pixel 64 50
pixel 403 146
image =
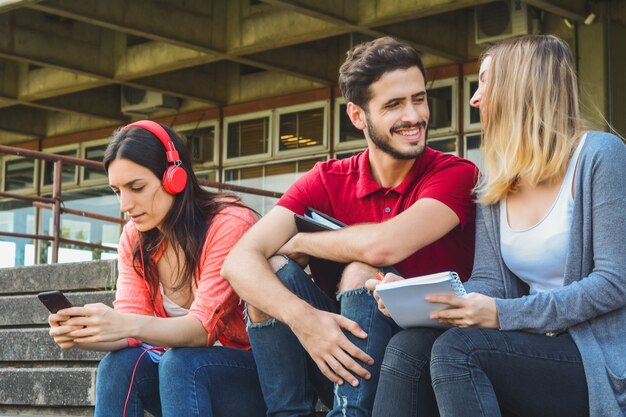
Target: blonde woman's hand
pixel 473 310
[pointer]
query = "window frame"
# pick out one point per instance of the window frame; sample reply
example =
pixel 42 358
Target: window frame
pixel 83 155
pixel 467 125
pixel 189 127
pixel 228 162
pixel 454 106
pixel 345 146
pixel 77 170
pixel 320 104
pixel 465 135
pixel 443 138
pixel 36 168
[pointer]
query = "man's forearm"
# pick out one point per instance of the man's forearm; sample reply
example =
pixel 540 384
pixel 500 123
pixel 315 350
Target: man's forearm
pixel 354 243
pixel 262 288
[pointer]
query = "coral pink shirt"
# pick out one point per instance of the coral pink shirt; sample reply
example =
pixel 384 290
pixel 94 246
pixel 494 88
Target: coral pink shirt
pixel 215 304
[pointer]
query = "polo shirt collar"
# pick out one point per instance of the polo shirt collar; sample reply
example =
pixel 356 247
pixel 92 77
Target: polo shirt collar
pixel 367 185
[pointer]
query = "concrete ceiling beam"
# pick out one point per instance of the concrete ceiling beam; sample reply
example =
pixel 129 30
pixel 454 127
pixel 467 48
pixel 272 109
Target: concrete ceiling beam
pixel 134 21
pixel 317 62
pixel 24 121
pixel 191 83
pixel 103 103
pixel 7 5
pixel 144 18
pixel 571 9
pixel 312 9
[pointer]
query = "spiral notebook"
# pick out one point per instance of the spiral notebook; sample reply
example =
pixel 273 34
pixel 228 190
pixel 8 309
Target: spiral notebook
pixel 405 299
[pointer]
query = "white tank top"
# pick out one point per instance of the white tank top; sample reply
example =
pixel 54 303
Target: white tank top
pixel 171 308
pixel 537 255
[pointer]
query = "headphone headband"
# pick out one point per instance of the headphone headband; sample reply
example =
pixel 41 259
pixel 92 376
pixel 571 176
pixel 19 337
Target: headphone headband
pixel 157 130
pixel 175 177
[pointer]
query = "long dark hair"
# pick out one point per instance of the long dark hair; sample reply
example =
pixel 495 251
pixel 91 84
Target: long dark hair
pixel 186 224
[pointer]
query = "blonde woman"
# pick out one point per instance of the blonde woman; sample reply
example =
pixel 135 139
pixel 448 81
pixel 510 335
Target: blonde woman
pixel 542 331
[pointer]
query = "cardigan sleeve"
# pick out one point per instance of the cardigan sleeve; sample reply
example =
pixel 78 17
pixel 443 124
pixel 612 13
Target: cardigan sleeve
pixel 600 242
pixel 215 301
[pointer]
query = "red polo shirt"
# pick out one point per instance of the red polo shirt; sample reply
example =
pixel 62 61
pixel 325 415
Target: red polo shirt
pixel 346 190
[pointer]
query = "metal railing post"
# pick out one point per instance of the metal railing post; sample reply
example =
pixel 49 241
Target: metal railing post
pixel 56 210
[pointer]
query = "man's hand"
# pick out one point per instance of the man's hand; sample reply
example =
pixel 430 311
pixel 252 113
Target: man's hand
pixel 290 249
pixel 473 310
pixel 371 284
pixel 321 334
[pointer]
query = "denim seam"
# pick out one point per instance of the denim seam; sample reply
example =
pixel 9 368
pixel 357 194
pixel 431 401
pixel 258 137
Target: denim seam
pixel 355 291
pixel 261 324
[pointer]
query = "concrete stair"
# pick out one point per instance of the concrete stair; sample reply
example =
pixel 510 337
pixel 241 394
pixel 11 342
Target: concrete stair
pixel 37 378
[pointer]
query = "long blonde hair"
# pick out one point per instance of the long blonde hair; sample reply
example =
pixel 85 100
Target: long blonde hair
pixel 530 112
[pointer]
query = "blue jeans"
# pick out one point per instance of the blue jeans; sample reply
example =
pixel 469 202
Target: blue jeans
pixel 290 379
pixel 215 381
pixel 481 372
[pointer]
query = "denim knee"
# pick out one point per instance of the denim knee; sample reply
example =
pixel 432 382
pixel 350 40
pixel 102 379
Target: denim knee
pixel 409 351
pixel 451 354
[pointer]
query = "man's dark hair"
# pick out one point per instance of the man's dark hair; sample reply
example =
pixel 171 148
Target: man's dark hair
pixel 368 61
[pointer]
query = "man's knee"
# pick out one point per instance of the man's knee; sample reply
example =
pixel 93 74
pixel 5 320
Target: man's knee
pixel 257 316
pixel 355 275
pixel 277 262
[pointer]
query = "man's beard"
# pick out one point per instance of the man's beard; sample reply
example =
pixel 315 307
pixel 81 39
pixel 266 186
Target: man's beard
pixel 384 144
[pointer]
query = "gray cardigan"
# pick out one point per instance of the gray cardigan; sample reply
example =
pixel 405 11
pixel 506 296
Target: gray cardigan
pixel 591 304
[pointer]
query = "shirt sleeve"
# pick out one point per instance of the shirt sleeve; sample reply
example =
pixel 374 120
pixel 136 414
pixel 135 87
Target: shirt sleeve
pixel 215 300
pixel 453 185
pixel 306 191
pixel 131 294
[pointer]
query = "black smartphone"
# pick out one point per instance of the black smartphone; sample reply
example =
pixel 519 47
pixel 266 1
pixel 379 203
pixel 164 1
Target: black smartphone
pixel 54 300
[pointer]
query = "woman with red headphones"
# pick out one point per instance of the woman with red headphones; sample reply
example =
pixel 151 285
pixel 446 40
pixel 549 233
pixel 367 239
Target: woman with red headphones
pixel 176 337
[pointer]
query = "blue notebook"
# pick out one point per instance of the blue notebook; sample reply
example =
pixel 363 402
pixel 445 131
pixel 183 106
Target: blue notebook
pixel 405 299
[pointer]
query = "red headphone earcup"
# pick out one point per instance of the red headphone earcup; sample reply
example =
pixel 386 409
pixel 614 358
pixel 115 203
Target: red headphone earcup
pixel 174 179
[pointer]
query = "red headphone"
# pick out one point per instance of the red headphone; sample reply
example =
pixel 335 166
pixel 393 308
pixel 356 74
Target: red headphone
pixel 175 177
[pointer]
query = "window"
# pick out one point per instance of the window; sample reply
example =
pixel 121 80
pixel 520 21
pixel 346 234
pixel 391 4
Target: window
pixel 471 114
pixel 19 174
pixel 94 151
pixel 94 200
pixel 346 135
pixel 442 103
pixel 207 175
pixel 472 149
pixel 248 137
pixel 201 142
pixel 69 172
pixel 301 129
pixel 272 177
pixel 445 145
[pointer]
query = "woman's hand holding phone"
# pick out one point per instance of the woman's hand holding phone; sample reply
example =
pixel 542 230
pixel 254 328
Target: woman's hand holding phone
pixel 95 323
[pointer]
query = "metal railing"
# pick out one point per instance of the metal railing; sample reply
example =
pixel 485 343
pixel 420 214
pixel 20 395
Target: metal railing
pixel 55 203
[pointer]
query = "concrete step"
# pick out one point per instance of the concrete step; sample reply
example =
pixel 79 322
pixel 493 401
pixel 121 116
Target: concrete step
pixel 32 345
pixel 48 386
pixel 27 411
pixel 20 310
pixel 69 276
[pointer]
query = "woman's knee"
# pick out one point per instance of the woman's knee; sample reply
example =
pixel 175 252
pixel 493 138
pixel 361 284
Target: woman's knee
pixel 409 349
pixel 119 363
